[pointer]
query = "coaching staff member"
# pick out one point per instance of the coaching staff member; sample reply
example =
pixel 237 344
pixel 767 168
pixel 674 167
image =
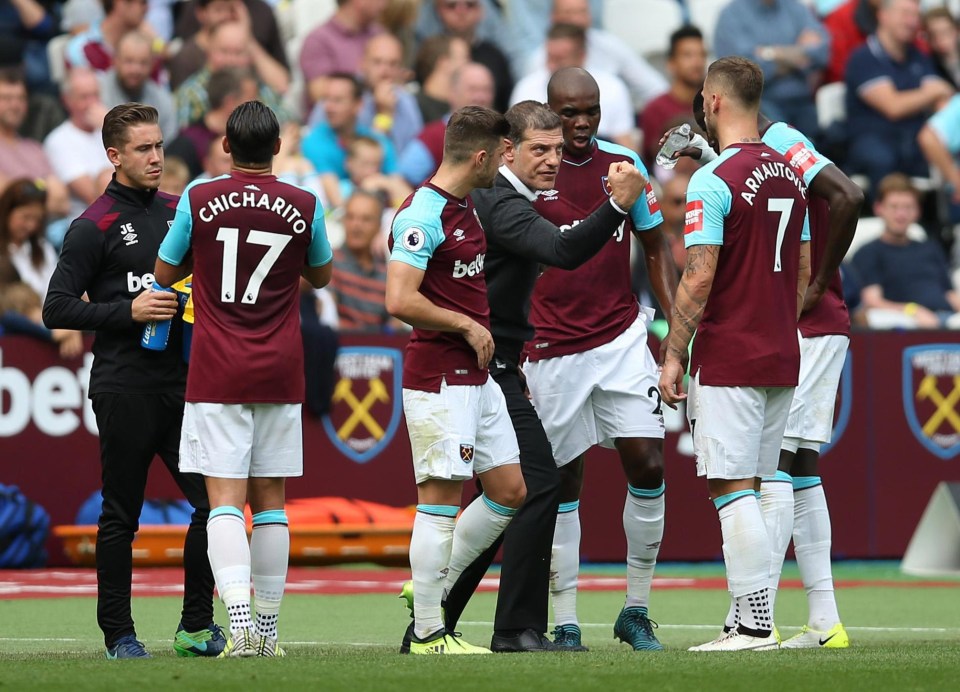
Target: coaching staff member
pixel 109 254
pixel 519 241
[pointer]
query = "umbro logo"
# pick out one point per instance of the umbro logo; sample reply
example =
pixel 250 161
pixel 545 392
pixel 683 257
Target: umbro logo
pixel 549 195
pixel 764 154
pixel 459 234
pixel 251 187
pixel 129 234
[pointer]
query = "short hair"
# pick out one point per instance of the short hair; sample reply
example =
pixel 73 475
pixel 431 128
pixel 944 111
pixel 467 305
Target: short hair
pixel 225 83
pixel 135 35
pixel 359 193
pixel 252 132
pixel 12 75
pixel 571 31
pixel 682 34
pixel 940 12
pixel 363 141
pixel 738 77
pixel 354 82
pixel 118 121
pixel 471 129
pixel 896 182
pixel 429 54
pixel 530 115
pixel 107 5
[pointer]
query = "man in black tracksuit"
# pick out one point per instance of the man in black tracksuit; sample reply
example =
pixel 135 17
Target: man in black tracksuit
pixel 519 241
pixel 109 253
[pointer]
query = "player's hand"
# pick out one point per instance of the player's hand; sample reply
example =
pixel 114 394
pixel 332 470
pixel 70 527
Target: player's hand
pixel 626 183
pixel 70 342
pixel 813 296
pixel 154 306
pixel 480 341
pixel 689 151
pixel 671 382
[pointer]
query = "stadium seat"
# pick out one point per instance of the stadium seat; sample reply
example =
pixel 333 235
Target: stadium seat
pixel 704 15
pixel 56 56
pixel 870 228
pixel 645 26
pixel 831 104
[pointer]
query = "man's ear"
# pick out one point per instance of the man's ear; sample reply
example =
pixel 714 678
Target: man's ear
pixel 276 147
pixel 226 145
pixel 113 155
pixel 509 153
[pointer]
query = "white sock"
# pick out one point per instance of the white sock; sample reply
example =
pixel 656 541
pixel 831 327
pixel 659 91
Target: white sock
pixel 269 555
pixel 643 527
pixel 565 564
pixel 229 555
pixel 811 543
pixel 480 524
pixel 746 552
pixel 733 616
pixel 430 547
pixel 776 503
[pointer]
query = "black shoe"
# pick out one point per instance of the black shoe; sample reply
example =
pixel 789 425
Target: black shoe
pixel 407 636
pixel 527 640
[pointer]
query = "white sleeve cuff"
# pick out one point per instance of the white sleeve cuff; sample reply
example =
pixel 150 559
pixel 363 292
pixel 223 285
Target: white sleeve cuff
pixel 617 206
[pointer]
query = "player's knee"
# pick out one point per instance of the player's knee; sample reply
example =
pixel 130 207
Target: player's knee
pixel 643 463
pixel 511 495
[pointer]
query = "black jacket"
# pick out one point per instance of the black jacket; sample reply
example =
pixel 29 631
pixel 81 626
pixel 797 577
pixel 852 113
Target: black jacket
pixel 109 253
pixel 519 240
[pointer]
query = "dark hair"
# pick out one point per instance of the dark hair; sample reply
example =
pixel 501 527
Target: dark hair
pixel 12 75
pixel 737 77
pixel 121 118
pixel 697 108
pixel 896 182
pixel 577 33
pixel 940 12
pixel 252 132
pixel 471 129
pixel 225 83
pixel 20 193
pixel 354 82
pixel 682 34
pixel 367 194
pixel 530 115
pixel 429 54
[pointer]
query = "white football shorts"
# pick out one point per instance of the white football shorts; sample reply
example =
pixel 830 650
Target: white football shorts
pixel 810 422
pixel 737 431
pixel 459 431
pixel 242 440
pixel 598 396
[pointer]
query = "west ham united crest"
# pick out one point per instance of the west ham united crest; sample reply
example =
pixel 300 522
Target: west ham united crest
pixel 931 396
pixel 366 401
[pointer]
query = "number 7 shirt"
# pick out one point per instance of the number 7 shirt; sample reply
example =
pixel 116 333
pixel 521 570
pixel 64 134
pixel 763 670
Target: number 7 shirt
pixel 251 236
pixel 753 204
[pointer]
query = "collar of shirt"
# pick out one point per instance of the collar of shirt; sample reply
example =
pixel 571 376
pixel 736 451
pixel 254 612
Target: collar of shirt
pixel 518 185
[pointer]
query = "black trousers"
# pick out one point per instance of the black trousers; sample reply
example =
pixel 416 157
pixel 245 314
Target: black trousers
pixel 528 541
pixel 134 428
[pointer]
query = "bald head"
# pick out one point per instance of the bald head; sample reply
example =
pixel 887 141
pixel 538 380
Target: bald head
pixel 382 59
pixel 471 85
pixel 571 83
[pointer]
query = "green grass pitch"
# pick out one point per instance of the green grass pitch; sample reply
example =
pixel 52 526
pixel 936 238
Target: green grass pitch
pixel 905 637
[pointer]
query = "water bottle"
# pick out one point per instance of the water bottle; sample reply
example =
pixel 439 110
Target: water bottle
pixel 678 140
pixel 156 333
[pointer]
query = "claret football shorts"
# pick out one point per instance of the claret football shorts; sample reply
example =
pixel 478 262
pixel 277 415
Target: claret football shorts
pixel 459 431
pixel 598 396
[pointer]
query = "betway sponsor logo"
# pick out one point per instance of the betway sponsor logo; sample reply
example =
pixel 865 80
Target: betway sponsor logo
pixel 461 269
pixel 618 233
pixel 135 283
pixel 56 401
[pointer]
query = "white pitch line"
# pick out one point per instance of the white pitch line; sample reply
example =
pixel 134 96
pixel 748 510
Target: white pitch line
pixel 713 627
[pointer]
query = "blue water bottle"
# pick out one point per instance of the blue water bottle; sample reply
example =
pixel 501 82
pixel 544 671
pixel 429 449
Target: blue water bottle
pixel 157 333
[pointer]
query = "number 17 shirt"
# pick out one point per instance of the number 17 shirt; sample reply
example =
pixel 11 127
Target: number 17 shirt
pixel 753 204
pixel 251 236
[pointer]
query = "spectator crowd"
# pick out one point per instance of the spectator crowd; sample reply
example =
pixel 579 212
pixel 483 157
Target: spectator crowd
pixel 363 90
